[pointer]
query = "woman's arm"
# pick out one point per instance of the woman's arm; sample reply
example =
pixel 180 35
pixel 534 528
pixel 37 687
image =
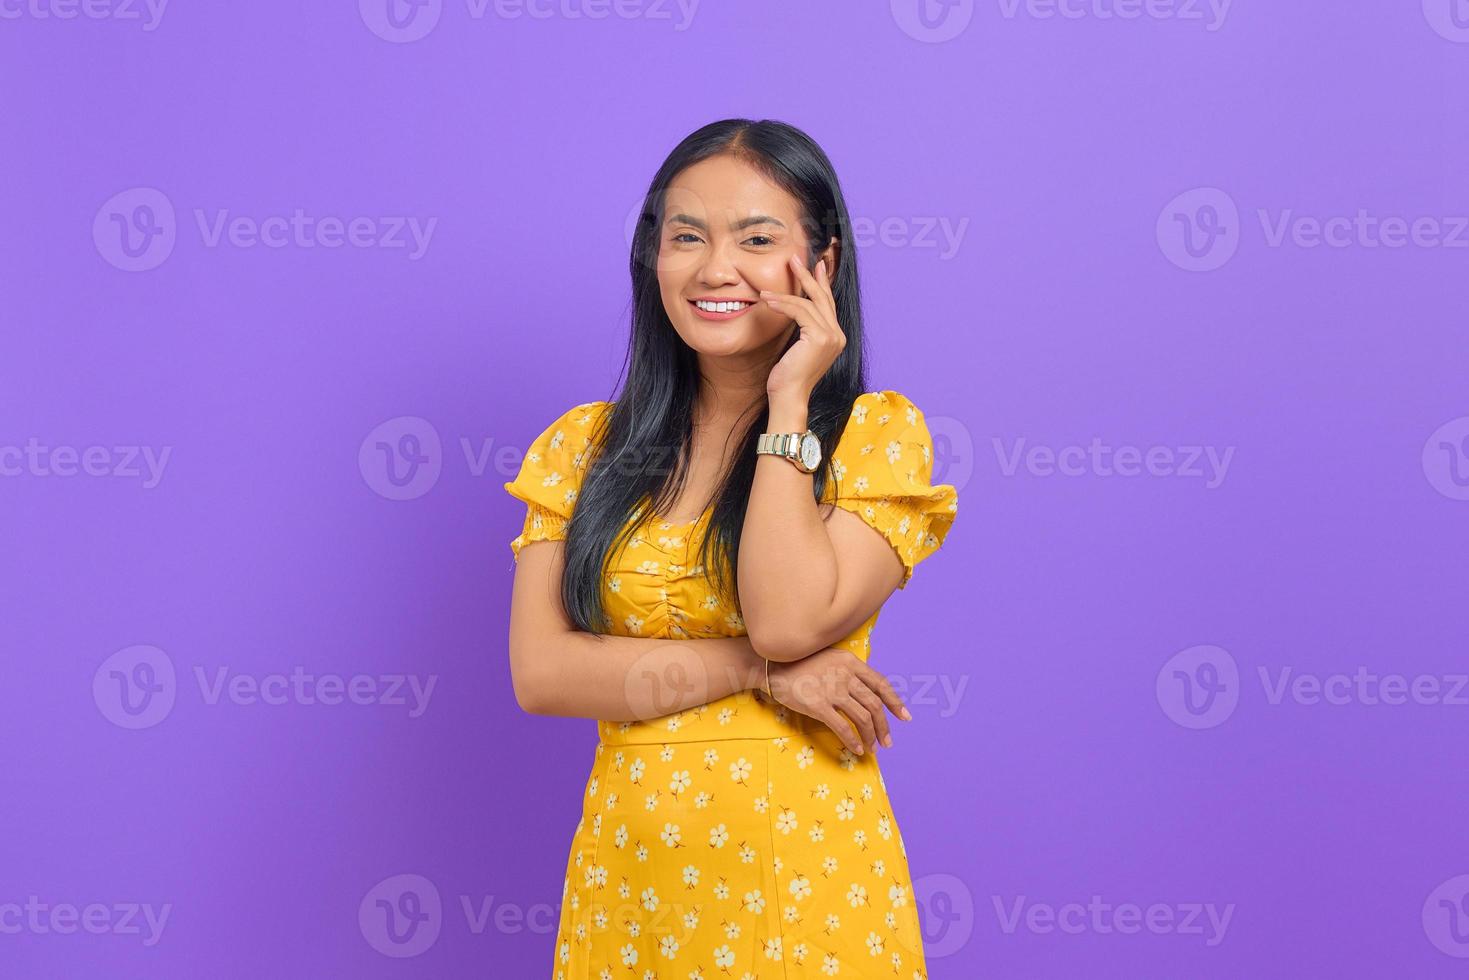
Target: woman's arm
pixel 805 583
pixel 558 669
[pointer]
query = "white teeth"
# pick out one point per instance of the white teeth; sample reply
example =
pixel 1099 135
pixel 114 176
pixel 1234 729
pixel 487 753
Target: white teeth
pixel 720 307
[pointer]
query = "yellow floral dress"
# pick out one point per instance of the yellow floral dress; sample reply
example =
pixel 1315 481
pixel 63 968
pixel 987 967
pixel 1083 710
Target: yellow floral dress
pixel 738 839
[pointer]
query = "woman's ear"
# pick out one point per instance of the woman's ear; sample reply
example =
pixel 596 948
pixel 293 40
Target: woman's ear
pixel 832 254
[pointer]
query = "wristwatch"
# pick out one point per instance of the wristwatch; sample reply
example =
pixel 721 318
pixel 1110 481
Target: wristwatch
pixel 802 448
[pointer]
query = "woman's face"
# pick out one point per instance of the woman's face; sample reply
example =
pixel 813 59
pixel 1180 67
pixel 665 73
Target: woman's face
pixel 728 233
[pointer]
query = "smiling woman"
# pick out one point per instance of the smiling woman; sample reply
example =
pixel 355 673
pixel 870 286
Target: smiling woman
pixel 745 491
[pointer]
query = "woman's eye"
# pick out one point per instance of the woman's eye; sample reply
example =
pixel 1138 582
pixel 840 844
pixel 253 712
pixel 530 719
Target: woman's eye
pixel 761 239
pixel 682 236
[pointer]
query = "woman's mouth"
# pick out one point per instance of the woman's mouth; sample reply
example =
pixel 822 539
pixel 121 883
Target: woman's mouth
pixel 719 309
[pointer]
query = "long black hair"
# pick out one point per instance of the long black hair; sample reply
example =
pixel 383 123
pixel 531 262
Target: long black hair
pixel 640 451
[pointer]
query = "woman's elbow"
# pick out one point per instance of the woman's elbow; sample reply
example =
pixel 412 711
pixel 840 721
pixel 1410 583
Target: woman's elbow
pixel 779 646
pixel 530 694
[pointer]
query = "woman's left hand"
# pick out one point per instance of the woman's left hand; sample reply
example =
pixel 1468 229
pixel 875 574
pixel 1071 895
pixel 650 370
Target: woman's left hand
pixel 795 375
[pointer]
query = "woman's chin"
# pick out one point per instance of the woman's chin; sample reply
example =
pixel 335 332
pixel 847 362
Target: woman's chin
pixel 724 339
pixel 716 340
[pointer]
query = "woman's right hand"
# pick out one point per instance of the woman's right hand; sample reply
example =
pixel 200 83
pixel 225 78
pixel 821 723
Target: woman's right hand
pixel 835 682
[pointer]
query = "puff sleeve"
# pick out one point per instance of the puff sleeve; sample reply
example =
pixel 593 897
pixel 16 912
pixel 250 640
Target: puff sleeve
pixel 881 470
pixel 551 474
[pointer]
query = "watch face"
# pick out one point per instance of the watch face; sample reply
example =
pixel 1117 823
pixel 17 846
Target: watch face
pixel 810 451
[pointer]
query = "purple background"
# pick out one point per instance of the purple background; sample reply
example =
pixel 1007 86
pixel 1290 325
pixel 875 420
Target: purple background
pixel 1071 765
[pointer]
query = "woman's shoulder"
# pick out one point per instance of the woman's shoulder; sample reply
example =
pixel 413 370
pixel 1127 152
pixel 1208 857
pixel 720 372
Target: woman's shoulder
pixel 886 447
pixel 555 460
pixel 885 413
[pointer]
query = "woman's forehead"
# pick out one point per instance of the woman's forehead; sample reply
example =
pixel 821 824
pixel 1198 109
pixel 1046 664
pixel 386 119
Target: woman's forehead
pixel 729 191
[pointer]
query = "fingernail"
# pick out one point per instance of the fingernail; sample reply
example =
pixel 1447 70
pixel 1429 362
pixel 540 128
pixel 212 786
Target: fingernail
pixel 822 266
pixel 859 750
pixel 907 715
pixel 887 741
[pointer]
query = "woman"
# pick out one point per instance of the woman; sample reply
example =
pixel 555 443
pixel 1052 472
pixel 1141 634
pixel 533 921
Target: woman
pixel 735 823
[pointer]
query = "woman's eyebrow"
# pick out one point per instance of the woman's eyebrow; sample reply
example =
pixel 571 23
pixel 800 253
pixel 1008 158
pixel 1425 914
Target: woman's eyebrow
pixel 699 223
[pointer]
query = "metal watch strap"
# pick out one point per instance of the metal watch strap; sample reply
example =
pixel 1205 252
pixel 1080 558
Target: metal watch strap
pixel 779 443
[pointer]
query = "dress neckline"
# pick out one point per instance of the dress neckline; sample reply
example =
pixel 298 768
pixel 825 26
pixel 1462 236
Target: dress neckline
pixel 660 519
